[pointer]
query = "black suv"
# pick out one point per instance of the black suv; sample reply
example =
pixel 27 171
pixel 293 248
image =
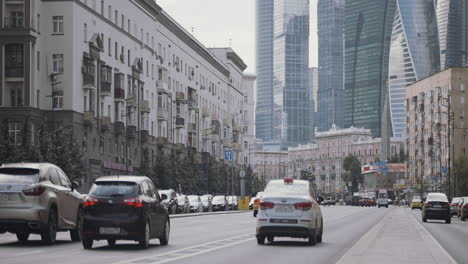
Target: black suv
pixel 124 208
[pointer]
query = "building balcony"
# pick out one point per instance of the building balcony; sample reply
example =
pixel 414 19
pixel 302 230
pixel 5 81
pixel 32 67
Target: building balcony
pixel 214 137
pixel 161 140
pixel 119 127
pixel 180 97
pixel 131 100
pixel 106 89
pixel 226 142
pixel 88 118
pixel 144 106
pixel 14 72
pixel 144 135
pixel 205 112
pixel 119 94
pixel 192 102
pixel 105 123
pixel 162 85
pixel 163 114
pixel 131 131
pixel 89 80
pixel 192 128
pixel 180 122
pixel 14 22
pixel 226 122
pixel 214 116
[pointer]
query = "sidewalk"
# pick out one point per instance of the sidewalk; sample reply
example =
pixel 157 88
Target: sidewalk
pixel 398 238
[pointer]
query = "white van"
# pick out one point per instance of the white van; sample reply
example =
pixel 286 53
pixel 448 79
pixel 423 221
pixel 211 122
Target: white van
pixel 382 199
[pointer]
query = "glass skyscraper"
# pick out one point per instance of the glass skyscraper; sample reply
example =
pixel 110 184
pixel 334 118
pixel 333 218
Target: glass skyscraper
pixel 452 25
pixel 290 68
pixel 368 27
pixel 331 48
pixel 414 54
pixel 264 57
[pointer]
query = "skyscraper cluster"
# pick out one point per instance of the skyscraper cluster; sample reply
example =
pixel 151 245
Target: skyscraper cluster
pixel 369 52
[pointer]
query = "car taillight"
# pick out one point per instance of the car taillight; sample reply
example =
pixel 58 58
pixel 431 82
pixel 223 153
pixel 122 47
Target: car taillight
pixel 452 205
pixel 257 200
pixel 303 206
pixel 90 201
pixel 135 202
pixel 266 205
pixel 34 191
pixel 428 204
pixel 466 205
pixel 445 205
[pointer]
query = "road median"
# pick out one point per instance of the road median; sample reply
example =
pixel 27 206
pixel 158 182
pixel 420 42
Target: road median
pixel 208 213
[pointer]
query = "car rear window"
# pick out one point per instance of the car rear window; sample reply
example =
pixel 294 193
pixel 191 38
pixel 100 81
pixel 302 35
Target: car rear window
pixel 437 197
pixel 114 189
pixel 280 188
pixel 19 175
pixel 193 198
pixel 456 200
pixel 383 195
pixel 218 199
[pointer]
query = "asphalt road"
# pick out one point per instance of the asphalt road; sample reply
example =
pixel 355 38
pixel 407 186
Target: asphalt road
pixel 214 239
pixel 452 237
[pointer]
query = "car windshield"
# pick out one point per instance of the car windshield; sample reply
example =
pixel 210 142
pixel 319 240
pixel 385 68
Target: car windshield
pixel 114 189
pixel 456 200
pixel 383 195
pixel 167 193
pixel 218 199
pixel 286 189
pixel 204 199
pixel 193 198
pixel 19 175
pixel 437 197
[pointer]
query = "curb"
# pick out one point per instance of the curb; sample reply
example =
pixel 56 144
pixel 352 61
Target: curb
pixel 206 214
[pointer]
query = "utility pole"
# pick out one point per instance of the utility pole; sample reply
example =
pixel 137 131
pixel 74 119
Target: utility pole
pixel 449 143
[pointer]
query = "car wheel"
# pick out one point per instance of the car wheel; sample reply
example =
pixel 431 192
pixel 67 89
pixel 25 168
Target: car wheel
pixel 255 212
pixel 463 218
pixel 111 242
pixel 75 234
pixel 313 238
pixel 49 236
pixel 22 237
pixel 164 240
pixel 386 206
pixel 260 240
pixel 87 243
pixel 270 238
pixel 145 242
pixel 448 220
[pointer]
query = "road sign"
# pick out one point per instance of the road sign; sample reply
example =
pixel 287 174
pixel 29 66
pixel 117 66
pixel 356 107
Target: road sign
pixel 242 174
pixel 444 169
pixel 228 154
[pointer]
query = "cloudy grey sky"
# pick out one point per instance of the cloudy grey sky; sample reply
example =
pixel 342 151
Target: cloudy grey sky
pixel 217 23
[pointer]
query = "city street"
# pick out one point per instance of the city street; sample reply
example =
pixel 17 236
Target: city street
pixel 230 239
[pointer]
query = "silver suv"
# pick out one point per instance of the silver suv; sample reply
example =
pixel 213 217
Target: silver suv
pixel 38 198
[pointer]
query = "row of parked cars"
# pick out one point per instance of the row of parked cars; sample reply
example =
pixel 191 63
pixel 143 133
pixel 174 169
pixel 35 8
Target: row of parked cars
pixel 39 198
pixel 459 207
pixel 181 203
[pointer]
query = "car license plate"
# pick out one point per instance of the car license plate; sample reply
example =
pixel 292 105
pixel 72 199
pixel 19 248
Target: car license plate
pixel 283 221
pixel 437 206
pixel 283 209
pixel 109 230
pixel 8 196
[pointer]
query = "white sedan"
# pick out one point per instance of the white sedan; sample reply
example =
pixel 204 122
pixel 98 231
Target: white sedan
pixel 289 208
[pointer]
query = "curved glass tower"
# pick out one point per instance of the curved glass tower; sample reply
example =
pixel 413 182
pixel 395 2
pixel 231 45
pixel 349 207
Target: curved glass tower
pixel 414 54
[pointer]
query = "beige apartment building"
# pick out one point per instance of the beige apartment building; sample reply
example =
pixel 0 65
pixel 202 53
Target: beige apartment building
pixel 434 140
pixel 270 165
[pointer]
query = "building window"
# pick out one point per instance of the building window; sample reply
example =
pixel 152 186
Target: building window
pixel 57 63
pixel 14 60
pixel 462 99
pixel 109 46
pixel 16 94
pixel 116 17
pixel 38 60
pixel 462 87
pixel 57 102
pixel 109 12
pixel 14 132
pixel 116 51
pixel 123 21
pixel 57 24
pixel 102 7
pixel 85 31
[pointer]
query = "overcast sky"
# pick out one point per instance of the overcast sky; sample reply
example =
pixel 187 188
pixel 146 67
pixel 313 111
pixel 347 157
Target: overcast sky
pixel 219 23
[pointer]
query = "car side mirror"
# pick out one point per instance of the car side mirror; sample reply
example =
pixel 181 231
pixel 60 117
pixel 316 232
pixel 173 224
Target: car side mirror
pixel 163 196
pixel 75 185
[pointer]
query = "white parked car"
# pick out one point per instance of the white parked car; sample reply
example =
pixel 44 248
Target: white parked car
pixel 196 205
pixel 289 208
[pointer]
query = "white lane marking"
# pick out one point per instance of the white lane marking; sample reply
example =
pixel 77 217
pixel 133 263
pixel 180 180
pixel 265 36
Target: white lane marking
pixel 203 251
pixel 433 239
pixel 182 249
pixel 29 253
pixel 342 216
